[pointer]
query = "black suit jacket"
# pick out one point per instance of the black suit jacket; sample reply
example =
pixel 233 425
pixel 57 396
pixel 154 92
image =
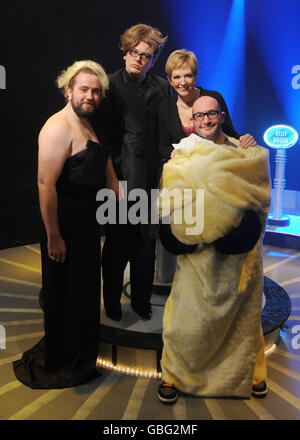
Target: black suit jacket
pixel 127 121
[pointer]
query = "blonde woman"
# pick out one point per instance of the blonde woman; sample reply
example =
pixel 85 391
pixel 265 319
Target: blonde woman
pixel 175 112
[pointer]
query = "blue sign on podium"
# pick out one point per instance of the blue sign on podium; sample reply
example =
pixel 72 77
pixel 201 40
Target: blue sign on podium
pixel 280 136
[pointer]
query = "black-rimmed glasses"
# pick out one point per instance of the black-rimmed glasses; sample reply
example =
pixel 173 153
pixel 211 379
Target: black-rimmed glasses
pixel 144 56
pixel 211 115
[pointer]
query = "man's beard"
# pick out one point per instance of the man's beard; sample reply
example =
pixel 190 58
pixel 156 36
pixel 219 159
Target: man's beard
pixel 83 113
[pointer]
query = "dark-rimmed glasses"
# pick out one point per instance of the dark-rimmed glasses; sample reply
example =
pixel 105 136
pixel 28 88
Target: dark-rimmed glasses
pixel 144 56
pixel 211 115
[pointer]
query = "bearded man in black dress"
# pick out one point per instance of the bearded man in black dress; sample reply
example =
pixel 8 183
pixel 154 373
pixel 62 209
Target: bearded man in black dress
pixel 72 167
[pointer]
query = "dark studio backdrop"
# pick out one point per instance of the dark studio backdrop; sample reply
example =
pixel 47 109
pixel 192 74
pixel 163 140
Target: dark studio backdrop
pixel 247 50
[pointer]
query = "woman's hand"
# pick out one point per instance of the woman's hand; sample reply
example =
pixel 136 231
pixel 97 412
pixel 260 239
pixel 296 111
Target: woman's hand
pixel 247 140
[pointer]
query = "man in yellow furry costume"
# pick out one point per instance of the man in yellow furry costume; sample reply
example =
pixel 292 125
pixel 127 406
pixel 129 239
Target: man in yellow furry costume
pixel 213 342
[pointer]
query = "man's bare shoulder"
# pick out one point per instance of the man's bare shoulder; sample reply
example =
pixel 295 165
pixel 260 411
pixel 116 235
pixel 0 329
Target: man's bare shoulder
pixel 57 128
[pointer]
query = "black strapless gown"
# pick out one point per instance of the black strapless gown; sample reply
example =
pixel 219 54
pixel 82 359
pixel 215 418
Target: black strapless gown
pixel 66 355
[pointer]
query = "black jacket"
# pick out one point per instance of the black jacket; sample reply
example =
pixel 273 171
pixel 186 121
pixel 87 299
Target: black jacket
pixel 127 121
pixel 170 128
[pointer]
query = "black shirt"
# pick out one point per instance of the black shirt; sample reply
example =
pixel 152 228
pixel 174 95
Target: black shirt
pixel 127 121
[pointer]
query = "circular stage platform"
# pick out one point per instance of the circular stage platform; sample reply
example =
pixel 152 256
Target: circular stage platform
pixel 133 346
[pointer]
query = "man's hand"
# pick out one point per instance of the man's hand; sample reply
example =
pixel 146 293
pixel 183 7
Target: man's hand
pixel 57 248
pixel 173 154
pixel 247 140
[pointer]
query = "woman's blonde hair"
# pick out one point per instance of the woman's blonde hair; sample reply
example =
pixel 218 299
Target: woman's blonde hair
pixel 67 77
pixel 142 32
pixel 181 58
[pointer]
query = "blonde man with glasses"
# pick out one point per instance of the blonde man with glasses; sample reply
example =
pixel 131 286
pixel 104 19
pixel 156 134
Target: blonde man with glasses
pixel 128 123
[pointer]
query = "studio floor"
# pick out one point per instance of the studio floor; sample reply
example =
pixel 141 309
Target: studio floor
pixel 115 396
